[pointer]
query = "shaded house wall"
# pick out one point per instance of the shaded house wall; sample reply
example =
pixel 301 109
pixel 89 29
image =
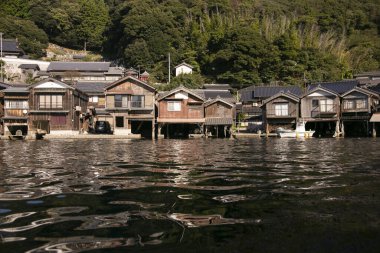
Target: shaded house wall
pixel 16 117
pixel 62 117
pixel 219 109
pixel 357 102
pixel 312 112
pixel 191 108
pixel 275 116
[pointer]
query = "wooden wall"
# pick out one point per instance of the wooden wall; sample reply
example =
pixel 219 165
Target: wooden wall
pixel 219 109
pixel 130 88
pixel 190 108
pixel 293 107
pixel 306 104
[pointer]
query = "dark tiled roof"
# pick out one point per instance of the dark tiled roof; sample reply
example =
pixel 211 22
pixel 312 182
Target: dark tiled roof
pixel 90 88
pixel 16 90
pixel 375 88
pixel 339 87
pixel 223 94
pixel 3 85
pixel 10 45
pixel 261 92
pixel 217 86
pixel 79 66
pixel 29 66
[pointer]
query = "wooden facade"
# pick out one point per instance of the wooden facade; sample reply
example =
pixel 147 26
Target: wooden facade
pixel 55 107
pixel 357 107
pixel 219 117
pixel 280 110
pixel 320 104
pixel 131 105
pixel 183 108
pixel 15 112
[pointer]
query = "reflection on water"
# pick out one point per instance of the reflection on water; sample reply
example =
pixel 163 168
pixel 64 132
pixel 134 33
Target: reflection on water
pixel 262 195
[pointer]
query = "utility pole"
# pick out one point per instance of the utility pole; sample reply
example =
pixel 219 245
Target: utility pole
pixel 1 56
pixel 169 67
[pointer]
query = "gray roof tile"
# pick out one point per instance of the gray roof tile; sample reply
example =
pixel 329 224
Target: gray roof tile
pixel 339 87
pixel 79 66
pixel 262 92
pixel 89 88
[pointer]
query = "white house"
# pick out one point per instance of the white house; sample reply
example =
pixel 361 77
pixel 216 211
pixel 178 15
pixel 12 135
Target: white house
pixel 183 68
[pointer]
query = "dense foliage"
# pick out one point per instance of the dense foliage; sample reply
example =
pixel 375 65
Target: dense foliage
pixel 234 41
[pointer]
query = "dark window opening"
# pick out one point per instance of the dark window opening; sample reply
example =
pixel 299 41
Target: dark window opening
pixel 119 121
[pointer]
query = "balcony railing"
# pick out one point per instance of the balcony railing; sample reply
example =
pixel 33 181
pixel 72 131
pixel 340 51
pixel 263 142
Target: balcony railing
pixel 273 113
pixel 324 111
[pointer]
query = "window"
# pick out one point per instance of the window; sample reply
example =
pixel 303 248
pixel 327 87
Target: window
pixel 137 101
pixel 281 109
pixel 174 106
pixel 121 101
pixel 16 104
pixel 119 121
pixel 315 103
pixel 50 102
pixel 361 104
pixel 326 105
pixel 94 99
pixel 348 104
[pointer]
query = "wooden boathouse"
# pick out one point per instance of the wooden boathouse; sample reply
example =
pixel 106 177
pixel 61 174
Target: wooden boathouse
pixel 280 110
pixel 55 108
pixel 180 113
pixel 131 104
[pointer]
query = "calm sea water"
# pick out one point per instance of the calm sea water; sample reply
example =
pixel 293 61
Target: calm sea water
pixel 259 195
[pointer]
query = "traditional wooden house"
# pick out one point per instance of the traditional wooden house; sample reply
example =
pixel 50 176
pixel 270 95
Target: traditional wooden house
pixel 131 105
pixel 55 107
pixel 358 104
pixel 321 107
pixel 180 113
pixel 3 86
pixel 16 109
pixel 280 110
pixel 249 108
pixel 219 117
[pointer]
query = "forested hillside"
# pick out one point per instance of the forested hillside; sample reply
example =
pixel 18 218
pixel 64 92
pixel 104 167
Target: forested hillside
pixel 233 41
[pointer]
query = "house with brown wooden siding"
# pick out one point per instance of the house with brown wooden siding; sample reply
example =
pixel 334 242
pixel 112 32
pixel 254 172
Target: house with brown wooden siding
pixel 180 113
pixel 358 105
pixel 16 109
pixel 219 117
pixel 56 108
pixel 130 103
pixel 3 86
pixel 280 110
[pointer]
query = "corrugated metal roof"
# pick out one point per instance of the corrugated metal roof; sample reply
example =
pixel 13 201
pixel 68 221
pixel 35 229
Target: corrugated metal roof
pixel 79 66
pixel 87 87
pixel 262 92
pixel 339 87
pixel 218 121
